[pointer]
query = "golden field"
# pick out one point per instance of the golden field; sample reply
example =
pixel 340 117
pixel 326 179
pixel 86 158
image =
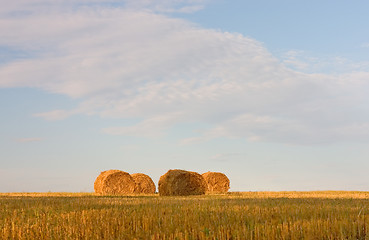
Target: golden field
pixel 236 215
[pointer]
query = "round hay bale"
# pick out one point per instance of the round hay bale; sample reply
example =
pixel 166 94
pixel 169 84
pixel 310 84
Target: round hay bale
pixel 181 183
pixel 99 180
pixel 114 182
pixel 144 183
pixel 216 182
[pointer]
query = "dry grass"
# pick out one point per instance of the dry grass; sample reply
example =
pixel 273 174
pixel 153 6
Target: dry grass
pixel 304 194
pixel 47 194
pixel 243 215
pixel 241 195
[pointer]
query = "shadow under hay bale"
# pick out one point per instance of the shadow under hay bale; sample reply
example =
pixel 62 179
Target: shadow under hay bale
pixel 216 182
pixel 114 182
pixel 181 183
pixel 144 184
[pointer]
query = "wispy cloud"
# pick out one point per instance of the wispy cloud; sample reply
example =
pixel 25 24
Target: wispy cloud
pixel 224 157
pixel 121 62
pixel 54 115
pixel 151 127
pixel 27 140
pixel 22 8
pixel 167 6
pixel 308 63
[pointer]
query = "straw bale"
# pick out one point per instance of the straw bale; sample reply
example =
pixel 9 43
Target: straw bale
pixel 144 184
pixel 181 183
pixel 114 182
pixel 216 182
pixel 99 180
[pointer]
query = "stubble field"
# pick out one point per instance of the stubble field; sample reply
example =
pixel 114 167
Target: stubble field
pixel 246 215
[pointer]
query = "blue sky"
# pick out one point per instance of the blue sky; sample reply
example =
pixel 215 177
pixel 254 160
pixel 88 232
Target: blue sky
pixel 272 93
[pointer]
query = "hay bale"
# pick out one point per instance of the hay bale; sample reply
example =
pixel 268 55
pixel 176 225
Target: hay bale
pixel 114 182
pixel 181 183
pixel 99 180
pixel 144 183
pixel 216 182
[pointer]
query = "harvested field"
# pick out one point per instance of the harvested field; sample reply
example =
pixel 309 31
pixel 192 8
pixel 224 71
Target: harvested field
pixel 240 215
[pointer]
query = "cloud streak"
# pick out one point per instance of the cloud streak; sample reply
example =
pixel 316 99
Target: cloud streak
pixel 167 6
pixel 28 140
pixel 125 62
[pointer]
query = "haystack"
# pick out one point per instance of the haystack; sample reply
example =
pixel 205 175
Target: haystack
pixel 99 180
pixel 144 184
pixel 181 183
pixel 216 182
pixel 114 182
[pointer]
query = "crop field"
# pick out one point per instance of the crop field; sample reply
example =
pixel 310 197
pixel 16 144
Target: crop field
pixel 237 215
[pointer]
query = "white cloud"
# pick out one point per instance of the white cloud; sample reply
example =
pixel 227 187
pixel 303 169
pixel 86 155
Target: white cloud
pixel 121 63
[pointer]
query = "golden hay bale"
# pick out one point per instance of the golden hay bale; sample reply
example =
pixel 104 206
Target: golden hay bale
pixel 216 182
pixel 144 183
pixel 181 183
pixel 114 182
pixel 99 180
